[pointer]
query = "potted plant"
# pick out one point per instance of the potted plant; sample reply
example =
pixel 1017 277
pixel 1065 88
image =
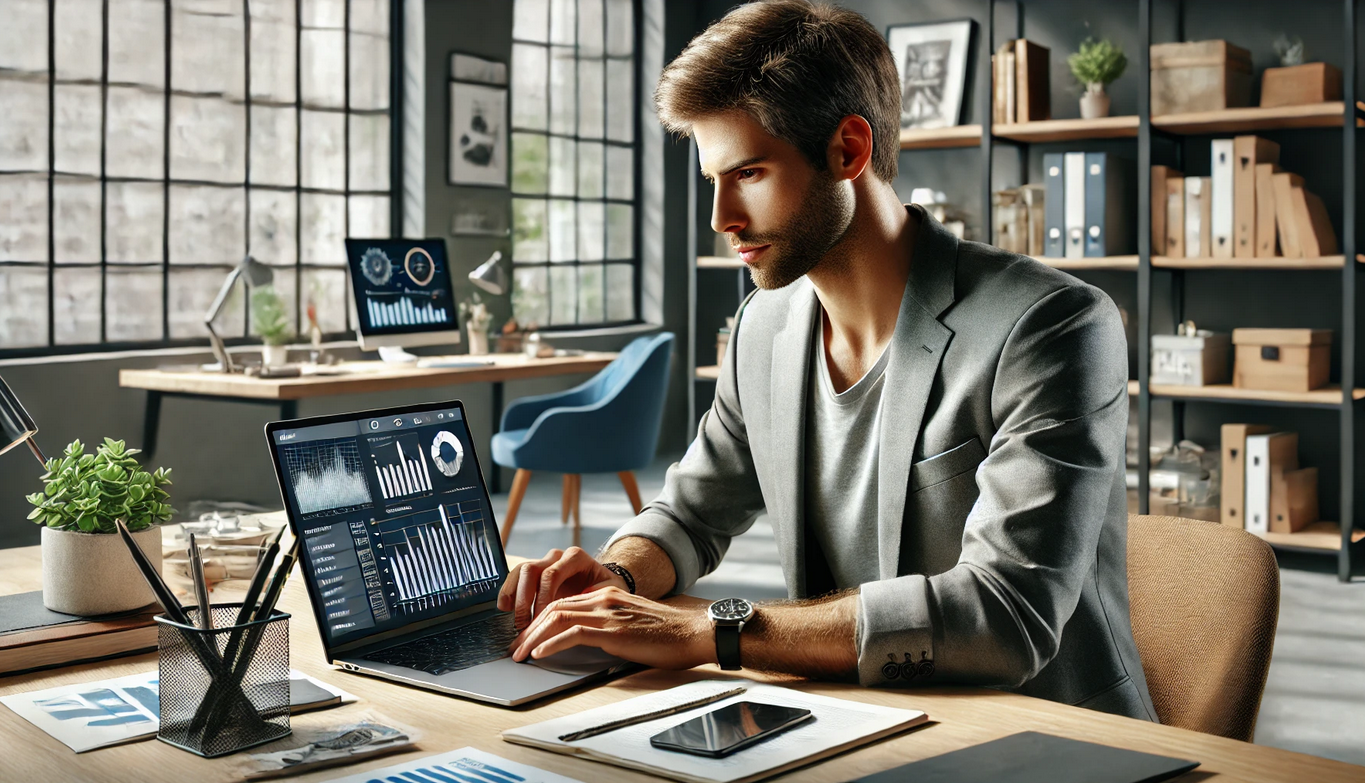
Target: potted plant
pixel 1096 65
pixel 270 319
pixel 476 318
pixel 86 566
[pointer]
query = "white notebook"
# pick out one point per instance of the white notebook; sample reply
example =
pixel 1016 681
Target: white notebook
pixel 838 724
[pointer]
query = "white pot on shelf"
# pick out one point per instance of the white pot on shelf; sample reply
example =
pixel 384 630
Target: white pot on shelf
pixel 274 355
pixel 1094 102
pixel 93 573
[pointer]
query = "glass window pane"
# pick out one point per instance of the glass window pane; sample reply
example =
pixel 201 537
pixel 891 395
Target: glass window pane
pixel 590 294
pixel 370 16
pixel 137 40
pixel 323 229
pixel 191 291
pixel 563 235
pixel 530 18
pixel 621 100
pixel 206 225
pixel 369 152
pixel 324 13
pixel 133 304
pixel 321 57
pixel 590 99
pixel 620 172
pixel 590 26
pixel 528 86
pixel 135 137
pixel 23 104
pixel 285 284
pixel 325 289
pixel 76 220
pixel 529 237
pixel 323 135
pixel 620 27
pixel 207 137
pixel 562 21
pixel 135 221
pixel 369 71
pixel 591 230
pixel 369 216
pixel 207 49
pixel 274 145
pixel 563 83
pixel 530 296
pixel 563 295
pixel 562 166
pixel 22 324
pixel 620 292
pixel 23 231
pixel 274 226
pixel 620 231
pixel 590 171
pixel 530 167
pixel 78 25
pixel 23 37
pixel 76 128
pixel 76 305
pixel 272 50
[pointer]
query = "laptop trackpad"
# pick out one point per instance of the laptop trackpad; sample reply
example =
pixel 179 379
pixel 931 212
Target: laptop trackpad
pixel 578 661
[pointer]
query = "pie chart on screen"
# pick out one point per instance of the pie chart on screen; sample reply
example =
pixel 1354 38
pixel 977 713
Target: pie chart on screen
pixel 447 453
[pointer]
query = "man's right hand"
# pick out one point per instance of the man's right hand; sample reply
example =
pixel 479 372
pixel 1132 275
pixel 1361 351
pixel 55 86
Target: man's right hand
pixel 533 585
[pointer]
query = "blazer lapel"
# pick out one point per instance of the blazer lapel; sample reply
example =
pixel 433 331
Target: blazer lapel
pixel 917 348
pixel 789 378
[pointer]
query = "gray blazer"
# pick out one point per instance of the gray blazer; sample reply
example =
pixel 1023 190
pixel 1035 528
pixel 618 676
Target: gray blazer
pixel 1002 513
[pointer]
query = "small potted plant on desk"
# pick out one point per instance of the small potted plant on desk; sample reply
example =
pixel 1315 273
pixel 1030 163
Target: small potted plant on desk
pixel 1096 65
pixel 270 320
pixel 86 567
pixel 476 318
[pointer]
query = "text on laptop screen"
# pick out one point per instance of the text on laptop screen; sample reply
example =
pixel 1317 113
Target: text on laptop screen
pixel 392 512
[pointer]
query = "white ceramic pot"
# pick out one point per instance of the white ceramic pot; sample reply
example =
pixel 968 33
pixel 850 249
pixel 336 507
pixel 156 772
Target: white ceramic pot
pixel 93 573
pixel 1094 102
pixel 274 355
pixel 478 342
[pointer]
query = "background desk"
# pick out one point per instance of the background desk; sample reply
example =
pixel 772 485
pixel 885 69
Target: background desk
pixel 961 717
pixel 357 378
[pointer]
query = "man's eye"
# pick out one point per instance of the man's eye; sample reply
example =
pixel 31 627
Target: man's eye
pixel 748 173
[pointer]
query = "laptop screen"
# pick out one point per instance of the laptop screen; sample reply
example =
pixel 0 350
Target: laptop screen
pixel 393 515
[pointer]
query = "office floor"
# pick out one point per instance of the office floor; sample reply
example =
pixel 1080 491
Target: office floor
pixel 1314 700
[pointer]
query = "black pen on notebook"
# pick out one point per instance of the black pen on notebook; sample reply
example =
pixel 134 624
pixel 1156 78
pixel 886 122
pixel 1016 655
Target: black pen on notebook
pixel 621 723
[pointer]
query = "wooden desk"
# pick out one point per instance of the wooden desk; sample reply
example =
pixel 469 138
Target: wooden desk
pixel 960 717
pixel 354 378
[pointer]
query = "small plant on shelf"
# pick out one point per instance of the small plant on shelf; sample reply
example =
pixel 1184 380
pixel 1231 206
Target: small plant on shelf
pixel 1096 65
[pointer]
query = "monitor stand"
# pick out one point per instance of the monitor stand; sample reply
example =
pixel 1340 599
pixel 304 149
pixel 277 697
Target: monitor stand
pixel 392 354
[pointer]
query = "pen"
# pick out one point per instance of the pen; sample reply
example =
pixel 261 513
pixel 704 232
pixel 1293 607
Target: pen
pixel 253 591
pixel 201 586
pixel 621 723
pixel 163 594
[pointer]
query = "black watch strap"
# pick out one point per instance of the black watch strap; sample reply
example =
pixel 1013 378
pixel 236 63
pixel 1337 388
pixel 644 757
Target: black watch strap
pixel 727 645
pixel 620 571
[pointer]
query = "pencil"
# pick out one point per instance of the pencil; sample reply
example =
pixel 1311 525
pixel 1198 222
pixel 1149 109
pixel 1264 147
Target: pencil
pixel 621 723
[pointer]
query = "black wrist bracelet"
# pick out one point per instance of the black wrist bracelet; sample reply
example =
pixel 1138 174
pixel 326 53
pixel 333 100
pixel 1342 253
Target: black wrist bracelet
pixel 617 569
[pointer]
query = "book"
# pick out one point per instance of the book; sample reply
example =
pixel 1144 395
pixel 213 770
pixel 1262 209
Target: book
pixel 34 637
pixel 1316 237
pixel 1266 454
pixel 1001 77
pixel 1054 206
pixel 839 724
pixel 1108 199
pixel 1249 154
pixel 1035 206
pixel 1033 100
pixel 1011 95
pixel 1175 217
pixel 1196 217
pixel 1074 198
pixel 1285 223
pixel 1266 244
pixel 1220 195
pixel 1234 443
pixel 1160 175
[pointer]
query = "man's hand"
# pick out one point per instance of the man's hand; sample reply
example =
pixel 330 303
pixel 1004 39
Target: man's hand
pixel 531 586
pixel 676 634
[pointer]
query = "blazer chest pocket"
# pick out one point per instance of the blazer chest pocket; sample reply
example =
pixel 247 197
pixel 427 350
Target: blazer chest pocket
pixel 946 465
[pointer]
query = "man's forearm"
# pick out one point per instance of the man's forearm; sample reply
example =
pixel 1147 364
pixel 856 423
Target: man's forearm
pixel 815 638
pixel 647 562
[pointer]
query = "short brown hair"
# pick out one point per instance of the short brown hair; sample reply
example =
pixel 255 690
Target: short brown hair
pixel 798 69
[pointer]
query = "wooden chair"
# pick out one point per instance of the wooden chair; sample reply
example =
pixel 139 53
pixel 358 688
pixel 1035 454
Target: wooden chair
pixel 1204 600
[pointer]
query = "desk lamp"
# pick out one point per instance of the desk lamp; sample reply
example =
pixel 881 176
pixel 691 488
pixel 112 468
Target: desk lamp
pixel 16 426
pixel 256 274
pixel 489 275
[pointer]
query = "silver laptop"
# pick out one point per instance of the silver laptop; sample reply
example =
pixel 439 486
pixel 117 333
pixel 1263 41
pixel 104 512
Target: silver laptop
pixel 401 554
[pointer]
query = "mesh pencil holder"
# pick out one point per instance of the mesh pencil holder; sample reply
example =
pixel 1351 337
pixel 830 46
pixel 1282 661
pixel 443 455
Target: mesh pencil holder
pixel 225 689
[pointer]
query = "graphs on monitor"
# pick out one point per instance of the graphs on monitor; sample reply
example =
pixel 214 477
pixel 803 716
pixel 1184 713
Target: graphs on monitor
pixel 438 556
pixel 399 467
pixel 401 286
pixel 327 476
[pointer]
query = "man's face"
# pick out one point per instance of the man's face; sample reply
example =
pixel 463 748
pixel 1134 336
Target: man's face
pixel 779 212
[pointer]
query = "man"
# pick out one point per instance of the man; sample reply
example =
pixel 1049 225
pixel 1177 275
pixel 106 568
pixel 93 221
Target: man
pixel 935 427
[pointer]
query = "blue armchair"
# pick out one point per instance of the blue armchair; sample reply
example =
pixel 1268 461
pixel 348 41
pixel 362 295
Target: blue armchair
pixel 610 424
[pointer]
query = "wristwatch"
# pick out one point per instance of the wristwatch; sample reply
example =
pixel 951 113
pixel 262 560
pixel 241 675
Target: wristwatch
pixel 728 616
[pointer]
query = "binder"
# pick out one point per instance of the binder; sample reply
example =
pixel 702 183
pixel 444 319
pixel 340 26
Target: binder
pixel 1108 224
pixel 1316 237
pixel 1284 184
pixel 1196 217
pixel 1175 217
pixel 1293 499
pixel 1234 443
pixel 1265 454
pixel 1220 197
pixel 1266 244
pixel 1074 173
pixel 1054 206
pixel 1160 176
pixel 1206 219
pixel 1249 154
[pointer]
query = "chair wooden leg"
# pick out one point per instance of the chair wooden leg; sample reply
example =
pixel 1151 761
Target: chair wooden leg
pixel 632 489
pixel 565 501
pixel 519 482
pixel 577 513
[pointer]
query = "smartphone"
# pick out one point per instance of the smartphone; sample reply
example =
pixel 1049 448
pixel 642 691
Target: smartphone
pixel 728 729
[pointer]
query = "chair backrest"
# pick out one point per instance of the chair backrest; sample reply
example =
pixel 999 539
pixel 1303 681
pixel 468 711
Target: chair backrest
pixel 1204 600
pixel 637 385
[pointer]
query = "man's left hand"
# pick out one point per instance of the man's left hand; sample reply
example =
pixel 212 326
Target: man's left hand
pixel 676 634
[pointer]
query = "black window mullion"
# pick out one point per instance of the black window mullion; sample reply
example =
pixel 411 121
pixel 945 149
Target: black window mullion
pixel 298 165
pixel 636 176
pixel 104 183
pixel 549 123
pixel 246 178
pixel 573 188
pixel 166 189
pixel 51 167
pixel 606 96
pixel 346 131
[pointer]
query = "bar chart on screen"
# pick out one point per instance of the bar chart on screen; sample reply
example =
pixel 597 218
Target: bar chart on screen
pixel 402 312
pixel 399 466
pixel 438 556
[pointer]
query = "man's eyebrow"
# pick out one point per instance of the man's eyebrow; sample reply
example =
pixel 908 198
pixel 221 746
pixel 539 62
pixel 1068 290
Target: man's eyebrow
pixel 742 164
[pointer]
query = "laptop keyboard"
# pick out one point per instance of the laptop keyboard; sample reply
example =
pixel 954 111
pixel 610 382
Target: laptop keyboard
pixel 459 648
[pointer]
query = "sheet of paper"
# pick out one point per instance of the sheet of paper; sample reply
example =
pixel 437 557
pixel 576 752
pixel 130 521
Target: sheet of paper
pixel 464 764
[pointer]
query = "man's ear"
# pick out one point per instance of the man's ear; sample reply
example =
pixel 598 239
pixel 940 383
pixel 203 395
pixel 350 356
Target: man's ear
pixel 850 148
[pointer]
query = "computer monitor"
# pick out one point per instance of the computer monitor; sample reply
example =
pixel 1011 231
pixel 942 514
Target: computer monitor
pixel 402 292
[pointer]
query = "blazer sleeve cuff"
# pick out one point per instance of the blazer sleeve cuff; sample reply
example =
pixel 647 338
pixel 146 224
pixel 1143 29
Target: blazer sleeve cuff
pixel 895 632
pixel 671 537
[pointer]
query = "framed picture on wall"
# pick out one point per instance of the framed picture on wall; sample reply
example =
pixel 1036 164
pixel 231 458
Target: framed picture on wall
pixel 932 62
pixel 478 121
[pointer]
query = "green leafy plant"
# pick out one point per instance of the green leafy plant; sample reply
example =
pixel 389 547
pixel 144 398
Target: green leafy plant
pixel 87 492
pixel 269 317
pixel 1097 62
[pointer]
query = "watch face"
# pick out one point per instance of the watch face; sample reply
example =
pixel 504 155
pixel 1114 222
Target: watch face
pixel 731 609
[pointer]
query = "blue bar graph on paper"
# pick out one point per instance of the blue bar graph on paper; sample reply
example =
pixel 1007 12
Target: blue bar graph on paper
pixel 402 312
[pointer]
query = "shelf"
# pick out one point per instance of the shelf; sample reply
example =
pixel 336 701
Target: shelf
pixel 1042 131
pixel 1276 262
pixel 1122 263
pixel 1134 388
pixel 719 262
pixel 1329 396
pixel 711 373
pixel 941 138
pixel 1319 535
pixel 1315 115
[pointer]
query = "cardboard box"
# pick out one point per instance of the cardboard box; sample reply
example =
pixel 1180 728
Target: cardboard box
pixel 1293 360
pixel 1199 76
pixel 1297 85
pixel 1197 360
